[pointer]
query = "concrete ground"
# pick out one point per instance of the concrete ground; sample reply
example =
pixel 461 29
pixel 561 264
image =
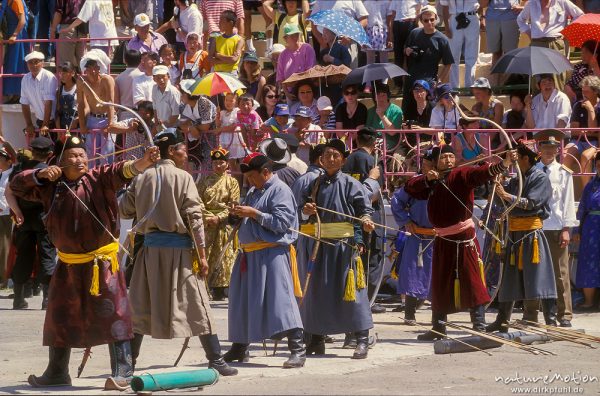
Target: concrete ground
pixel 398 364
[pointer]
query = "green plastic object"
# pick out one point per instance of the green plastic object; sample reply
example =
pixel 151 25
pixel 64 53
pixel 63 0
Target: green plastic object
pixel 177 379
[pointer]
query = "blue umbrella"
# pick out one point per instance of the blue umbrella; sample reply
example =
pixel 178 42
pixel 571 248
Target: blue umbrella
pixel 342 25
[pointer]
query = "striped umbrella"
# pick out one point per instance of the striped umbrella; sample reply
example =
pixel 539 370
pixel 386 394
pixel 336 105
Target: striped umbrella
pixel 216 83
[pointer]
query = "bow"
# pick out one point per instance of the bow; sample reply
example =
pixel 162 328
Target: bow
pixel 317 242
pixel 383 240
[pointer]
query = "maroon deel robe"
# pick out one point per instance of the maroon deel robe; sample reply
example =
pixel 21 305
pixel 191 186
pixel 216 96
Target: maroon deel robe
pixel 444 210
pixel 75 318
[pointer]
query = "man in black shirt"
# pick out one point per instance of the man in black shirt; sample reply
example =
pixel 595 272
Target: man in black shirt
pixel 425 48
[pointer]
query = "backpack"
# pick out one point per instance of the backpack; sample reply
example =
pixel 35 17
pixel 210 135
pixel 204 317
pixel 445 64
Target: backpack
pixel 278 25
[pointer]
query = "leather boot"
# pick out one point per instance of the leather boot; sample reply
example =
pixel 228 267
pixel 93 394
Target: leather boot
pixel 410 309
pixel 478 317
pixel 504 313
pixel 438 329
pixel 362 345
pixel 316 344
pixel 237 352
pixel 19 299
pixel 121 366
pixel 549 307
pixel 212 348
pixel 349 341
pixel 45 296
pixel 57 372
pixel 297 351
pixel 136 345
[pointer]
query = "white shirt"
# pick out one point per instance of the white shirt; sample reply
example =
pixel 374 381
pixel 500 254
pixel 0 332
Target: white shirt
pixel 101 21
pixel 442 119
pixel 353 8
pixel 35 91
pixel 4 209
pixel 547 114
pixel 142 88
pixel 562 203
pixel 559 11
pixel 165 104
pixel 125 83
pixel 457 6
pixel 407 9
pixel 190 20
pixel 378 11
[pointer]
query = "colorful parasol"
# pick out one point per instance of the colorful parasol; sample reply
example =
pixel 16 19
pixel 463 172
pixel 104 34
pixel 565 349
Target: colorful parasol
pixel 216 83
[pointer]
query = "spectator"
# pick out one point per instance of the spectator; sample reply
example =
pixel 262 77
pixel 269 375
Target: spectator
pixel 405 21
pixel 145 40
pixel 142 85
pixel 500 23
pixel 15 14
pixel 99 16
pixel 307 133
pixel 251 75
pixel 467 143
pixel 515 117
pixel 249 122
pixel 291 15
pixel 379 28
pixel 550 108
pixel 124 81
pixel 167 57
pixel 419 116
pixel 66 97
pixel 186 19
pixel 587 67
pixel 44 15
pixel 133 8
pixel 267 102
pixel 230 137
pixel 226 49
pixel 249 6
pixel 589 6
pixel 425 48
pixel 212 11
pixel 92 115
pixel 385 115
pixel 588 269
pixel 543 20
pixel 586 114
pixel 461 21
pixel 194 62
pixel 38 95
pixel 65 13
pixel 333 53
pixel 293 144
pixel 326 114
pixel 6 165
pixel 198 116
pixel 486 106
pixel 445 114
pixel 276 50
pixel 296 58
pixel 165 99
pixel 280 122
pixel 355 9
pixel 350 114
pixel 133 130
pixel 305 92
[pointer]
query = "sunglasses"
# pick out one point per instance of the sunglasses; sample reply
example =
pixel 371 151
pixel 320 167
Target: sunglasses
pixel 350 93
pixel 305 92
pixel 273 96
pixel 429 20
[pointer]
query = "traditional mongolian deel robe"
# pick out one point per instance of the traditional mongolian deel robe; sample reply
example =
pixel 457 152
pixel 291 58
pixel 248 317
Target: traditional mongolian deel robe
pixel 261 292
pixel 457 252
pixel 414 275
pixel 74 317
pixel 217 192
pixel 522 277
pixel 324 310
pixel 168 299
pixel 588 213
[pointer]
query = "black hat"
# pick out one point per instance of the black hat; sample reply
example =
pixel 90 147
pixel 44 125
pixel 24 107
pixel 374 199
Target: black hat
pixel 254 161
pixel 549 137
pixel 276 150
pixel 315 152
pixel 70 142
pixel 168 138
pixel 339 145
pixel 42 143
pixel 428 155
pixel 439 150
pixel 291 140
pixel 367 132
pixel 219 154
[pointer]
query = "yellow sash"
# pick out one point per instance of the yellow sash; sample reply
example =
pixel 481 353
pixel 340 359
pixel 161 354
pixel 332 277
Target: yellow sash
pixel 260 245
pixel 330 230
pixel 424 231
pixel 524 223
pixel 104 253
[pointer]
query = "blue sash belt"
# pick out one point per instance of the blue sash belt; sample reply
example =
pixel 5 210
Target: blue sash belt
pixel 168 240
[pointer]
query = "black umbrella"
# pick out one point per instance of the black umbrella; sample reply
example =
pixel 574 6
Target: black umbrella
pixel 373 72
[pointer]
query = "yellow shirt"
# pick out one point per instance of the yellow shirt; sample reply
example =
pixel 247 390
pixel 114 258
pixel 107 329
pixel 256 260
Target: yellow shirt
pixel 292 19
pixel 226 46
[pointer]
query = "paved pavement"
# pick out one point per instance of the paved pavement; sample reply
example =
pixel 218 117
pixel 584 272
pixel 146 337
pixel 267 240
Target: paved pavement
pixel 398 364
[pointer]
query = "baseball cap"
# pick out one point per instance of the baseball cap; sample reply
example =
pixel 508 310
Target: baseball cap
pixel 34 55
pixel 141 20
pixel 290 28
pixel 250 56
pixel 281 110
pixel 303 111
pixel 41 143
pixel 428 8
pixel 324 103
pixel 160 69
pixel 482 82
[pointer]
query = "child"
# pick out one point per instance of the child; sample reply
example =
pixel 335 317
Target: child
pixel 193 62
pixel 167 56
pixel 226 49
pixel 67 98
pixel 326 114
pixel 280 122
pixel 230 137
pixel 249 122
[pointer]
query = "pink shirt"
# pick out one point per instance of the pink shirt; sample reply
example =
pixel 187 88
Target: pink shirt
pixel 253 121
pixel 295 62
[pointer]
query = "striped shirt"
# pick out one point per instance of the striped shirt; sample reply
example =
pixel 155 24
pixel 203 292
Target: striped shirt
pixel 212 9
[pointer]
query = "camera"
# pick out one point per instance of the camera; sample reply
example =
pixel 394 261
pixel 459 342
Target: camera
pixel 416 52
pixel 410 123
pixel 141 129
pixel 462 21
